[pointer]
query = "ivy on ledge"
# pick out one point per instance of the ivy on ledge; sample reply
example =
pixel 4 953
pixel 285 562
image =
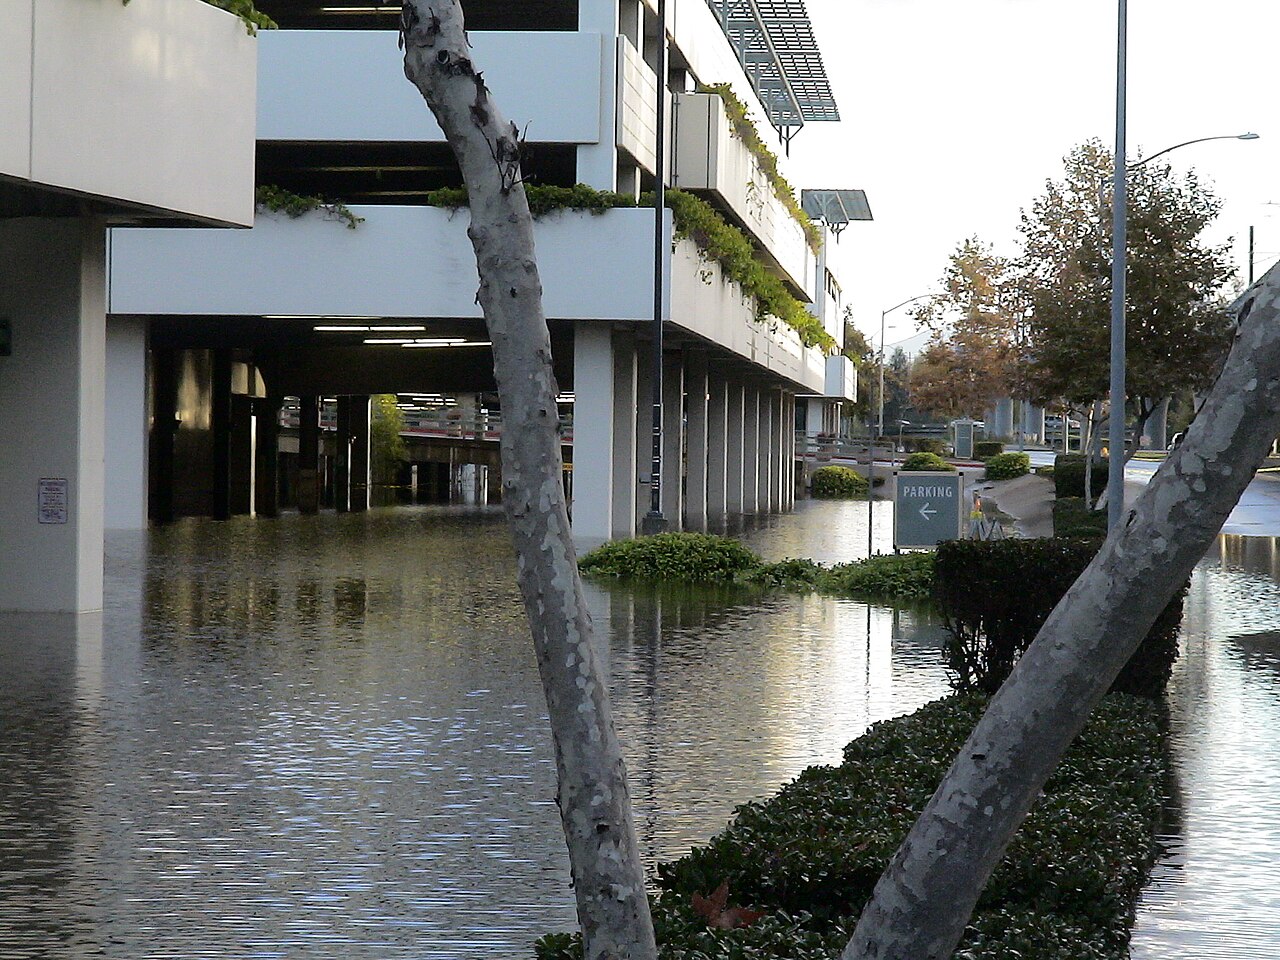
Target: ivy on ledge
pixel 253 18
pixel 747 132
pixel 717 241
pixel 279 200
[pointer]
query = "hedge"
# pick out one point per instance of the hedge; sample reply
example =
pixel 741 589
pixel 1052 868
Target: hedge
pixel 1008 466
pixel 1073 518
pixel 925 461
pixel 709 559
pixel 923 445
pixel 982 449
pixel 809 856
pixel 994 596
pixel 1068 475
pixel 838 483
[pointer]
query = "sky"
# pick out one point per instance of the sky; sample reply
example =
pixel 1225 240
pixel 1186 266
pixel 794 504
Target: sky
pixel 956 112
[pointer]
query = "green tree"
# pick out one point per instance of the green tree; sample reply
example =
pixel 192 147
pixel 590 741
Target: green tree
pixel 859 350
pixel 1178 330
pixel 969 362
pixel 388 447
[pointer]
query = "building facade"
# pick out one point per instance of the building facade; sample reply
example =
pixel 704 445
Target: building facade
pixel 306 307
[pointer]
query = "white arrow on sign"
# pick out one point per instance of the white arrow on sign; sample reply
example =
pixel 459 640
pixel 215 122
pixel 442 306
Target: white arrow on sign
pixel 926 512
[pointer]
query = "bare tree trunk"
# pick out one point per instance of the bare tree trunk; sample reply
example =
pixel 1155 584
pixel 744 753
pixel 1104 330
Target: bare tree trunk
pixel 595 805
pixel 926 896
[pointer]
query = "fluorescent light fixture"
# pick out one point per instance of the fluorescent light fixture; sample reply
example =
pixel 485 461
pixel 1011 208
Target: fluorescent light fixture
pixel 401 327
pixel 449 343
pixel 313 316
pixel 565 398
pixel 395 341
pixel 340 328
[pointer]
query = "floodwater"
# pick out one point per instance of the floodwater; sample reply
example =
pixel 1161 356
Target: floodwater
pixel 324 737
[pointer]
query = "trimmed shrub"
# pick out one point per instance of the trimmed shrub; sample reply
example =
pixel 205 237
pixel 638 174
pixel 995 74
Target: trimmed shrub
pixel 923 445
pixel 837 483
pixel 682 557
pixel 982 449
pixel 708 559
pixel 1008 466
pixel 994 596
pixel 925 461
pixel 809 856
pixel 1068 475
pixel 905 576
pixel 1073 518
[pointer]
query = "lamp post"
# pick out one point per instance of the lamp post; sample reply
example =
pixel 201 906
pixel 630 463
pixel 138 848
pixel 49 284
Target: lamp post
pixel 653 521
pixel 1119 264
pixel 879 425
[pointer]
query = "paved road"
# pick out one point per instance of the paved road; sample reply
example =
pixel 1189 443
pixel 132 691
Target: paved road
pixel 1256 515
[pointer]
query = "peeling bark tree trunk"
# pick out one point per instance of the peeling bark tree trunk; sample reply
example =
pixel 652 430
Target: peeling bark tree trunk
pixel 926 896
pixel 595 805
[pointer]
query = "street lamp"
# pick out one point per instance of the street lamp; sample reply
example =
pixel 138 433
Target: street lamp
pixel 883 314
pixel 879 431
pixel 1119 265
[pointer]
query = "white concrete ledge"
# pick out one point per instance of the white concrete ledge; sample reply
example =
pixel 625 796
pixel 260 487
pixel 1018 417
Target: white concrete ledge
pixel 149 105
pixel 416 262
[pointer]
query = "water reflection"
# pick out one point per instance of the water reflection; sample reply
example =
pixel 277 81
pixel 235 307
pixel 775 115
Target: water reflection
pixel 325 736
pixel 1212 895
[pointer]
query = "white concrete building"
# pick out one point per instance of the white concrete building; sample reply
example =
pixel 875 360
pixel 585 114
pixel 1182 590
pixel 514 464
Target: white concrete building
pixel 108 115
pixel 305 307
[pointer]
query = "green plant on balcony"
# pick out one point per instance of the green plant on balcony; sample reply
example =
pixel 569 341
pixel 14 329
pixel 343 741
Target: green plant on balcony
pixel 279 200
pixel 253 18
pixel 748 133
pixel 716 239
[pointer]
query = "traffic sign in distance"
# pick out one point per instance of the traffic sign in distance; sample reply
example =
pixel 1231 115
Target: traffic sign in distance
pixel 926 508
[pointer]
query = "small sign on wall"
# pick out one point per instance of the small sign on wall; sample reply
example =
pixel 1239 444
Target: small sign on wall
pixel 53 500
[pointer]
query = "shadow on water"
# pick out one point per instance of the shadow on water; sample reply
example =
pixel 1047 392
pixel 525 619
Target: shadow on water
pixel 324 736
pixel 1212 894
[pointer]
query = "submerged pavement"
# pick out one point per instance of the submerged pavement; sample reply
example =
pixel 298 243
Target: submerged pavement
pixel 1029 500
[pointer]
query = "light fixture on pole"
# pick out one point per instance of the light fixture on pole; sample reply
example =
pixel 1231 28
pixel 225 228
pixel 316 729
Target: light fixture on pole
pixel 654 521
pixel 1119 267
pixel 879 423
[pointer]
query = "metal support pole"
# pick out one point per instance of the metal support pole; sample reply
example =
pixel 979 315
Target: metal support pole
pixel 880 395
pixel 1119 263
pixel 654 521
pixel 1251 256
pixel 871 476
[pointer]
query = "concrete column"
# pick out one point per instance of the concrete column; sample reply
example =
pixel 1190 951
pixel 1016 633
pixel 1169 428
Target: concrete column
pixel 125 500
pixel 673 440
pixel 220 397
pixel 309 454
pixel 644 426
pixel 718 448
pixel 751 409
pixel 361 462
pixel 52 421
pixel 163 436
pixel 342 455
pixel 625 408
pixel 1157 426
pixel 241 456
pixel 786 451
pixel 266 471
pixel 767 453
pixel 696 429
pixel 593 420
pixel 734 470
pixel 598 162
